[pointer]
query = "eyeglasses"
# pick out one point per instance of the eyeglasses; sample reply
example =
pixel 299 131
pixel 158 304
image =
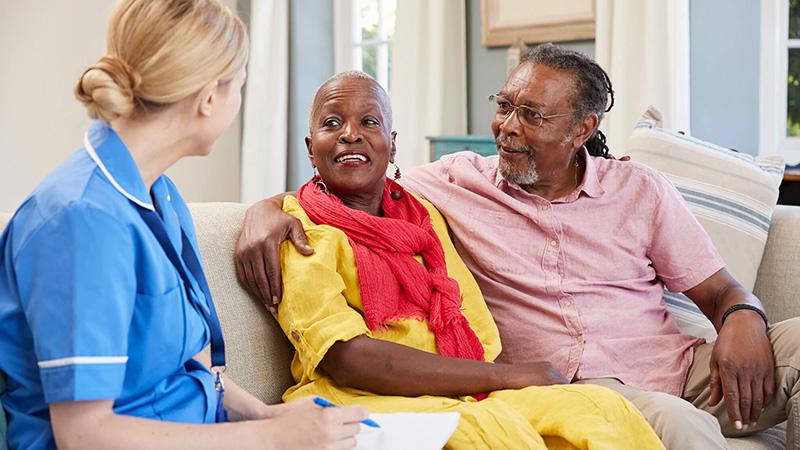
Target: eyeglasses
pixel 527 115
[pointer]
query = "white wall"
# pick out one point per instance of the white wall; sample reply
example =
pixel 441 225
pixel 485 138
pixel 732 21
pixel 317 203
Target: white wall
pixel 45 45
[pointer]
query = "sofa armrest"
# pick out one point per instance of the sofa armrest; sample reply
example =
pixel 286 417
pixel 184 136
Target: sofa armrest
pixel 778 281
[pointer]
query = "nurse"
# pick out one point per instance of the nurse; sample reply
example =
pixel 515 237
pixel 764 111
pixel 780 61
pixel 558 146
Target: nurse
pixel 104 307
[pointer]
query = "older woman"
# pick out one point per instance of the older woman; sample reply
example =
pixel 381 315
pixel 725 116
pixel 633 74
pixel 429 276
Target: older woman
pixel 386 315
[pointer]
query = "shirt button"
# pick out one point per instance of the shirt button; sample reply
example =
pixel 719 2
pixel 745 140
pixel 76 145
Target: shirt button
pixel 579 338
pixel 553 243
pixel 295 336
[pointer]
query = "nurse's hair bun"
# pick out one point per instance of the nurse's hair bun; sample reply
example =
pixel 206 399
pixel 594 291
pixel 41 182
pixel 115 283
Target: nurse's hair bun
pixel 108 88
pixel 160 52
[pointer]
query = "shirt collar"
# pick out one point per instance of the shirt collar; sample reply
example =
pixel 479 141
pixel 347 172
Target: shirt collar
pixel 108 151
pixel 590 184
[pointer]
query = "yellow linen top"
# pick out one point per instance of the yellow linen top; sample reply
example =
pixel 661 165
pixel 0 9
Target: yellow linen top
pixel 322 305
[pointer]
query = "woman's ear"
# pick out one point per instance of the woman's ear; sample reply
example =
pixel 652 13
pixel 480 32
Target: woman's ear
pixel 394 147
pixel 309 146
pixel 207 99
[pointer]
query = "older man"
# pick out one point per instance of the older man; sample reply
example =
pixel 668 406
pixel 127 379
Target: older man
pixel 572 251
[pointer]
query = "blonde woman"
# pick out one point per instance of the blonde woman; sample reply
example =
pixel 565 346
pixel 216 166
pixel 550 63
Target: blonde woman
pixel 105 309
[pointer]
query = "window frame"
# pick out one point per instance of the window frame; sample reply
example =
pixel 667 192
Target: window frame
pixel 348 43
pixel 775 45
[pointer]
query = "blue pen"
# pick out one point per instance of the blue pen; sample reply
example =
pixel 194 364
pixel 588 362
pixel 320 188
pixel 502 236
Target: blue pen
pixel 326 404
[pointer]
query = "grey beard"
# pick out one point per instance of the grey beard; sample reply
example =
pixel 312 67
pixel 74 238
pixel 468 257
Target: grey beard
pixel 519 176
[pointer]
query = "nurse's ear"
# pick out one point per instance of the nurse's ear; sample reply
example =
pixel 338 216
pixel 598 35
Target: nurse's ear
pixel 207 99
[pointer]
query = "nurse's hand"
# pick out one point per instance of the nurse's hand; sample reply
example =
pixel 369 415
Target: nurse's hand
pixel 258 263
pixel 304 424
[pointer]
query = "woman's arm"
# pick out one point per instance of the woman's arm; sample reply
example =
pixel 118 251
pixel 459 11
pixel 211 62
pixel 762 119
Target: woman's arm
pixel 240 404
pixel 89 425
pixel 388 368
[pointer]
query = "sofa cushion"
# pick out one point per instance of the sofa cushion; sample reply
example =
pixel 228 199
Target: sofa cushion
pixel 732 195
pixel 258 354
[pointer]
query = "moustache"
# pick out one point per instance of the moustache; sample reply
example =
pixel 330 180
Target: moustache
pixel 510 147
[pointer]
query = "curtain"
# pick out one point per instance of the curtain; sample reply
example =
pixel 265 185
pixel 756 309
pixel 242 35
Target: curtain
pixel 644 47
pixel 428 82
pixel 265 111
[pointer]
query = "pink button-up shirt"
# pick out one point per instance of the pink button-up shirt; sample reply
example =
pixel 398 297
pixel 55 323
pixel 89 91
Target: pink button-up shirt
pixel 578 281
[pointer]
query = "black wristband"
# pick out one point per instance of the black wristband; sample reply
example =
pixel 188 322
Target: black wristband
pixel 740 306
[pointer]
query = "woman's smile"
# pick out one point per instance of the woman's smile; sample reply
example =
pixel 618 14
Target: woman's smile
pixel 350 158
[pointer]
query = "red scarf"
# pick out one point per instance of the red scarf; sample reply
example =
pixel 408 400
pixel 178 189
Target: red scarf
pixel 393 284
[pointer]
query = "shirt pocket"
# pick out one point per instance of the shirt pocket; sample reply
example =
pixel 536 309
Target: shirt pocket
pixel 160 331
pixel 501 243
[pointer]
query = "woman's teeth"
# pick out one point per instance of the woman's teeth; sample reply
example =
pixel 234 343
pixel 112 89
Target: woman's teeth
pixel 347 158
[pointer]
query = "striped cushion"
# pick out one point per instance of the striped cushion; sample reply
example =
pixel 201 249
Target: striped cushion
pixel 731 194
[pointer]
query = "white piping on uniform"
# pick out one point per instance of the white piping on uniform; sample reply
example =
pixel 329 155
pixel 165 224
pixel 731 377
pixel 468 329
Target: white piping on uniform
pixel 93 155
pixel 82 360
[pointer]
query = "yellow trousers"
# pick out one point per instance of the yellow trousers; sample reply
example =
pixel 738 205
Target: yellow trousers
pixel 555 417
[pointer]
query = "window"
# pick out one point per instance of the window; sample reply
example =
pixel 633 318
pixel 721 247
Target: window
pixel 363 31
pixel 780 79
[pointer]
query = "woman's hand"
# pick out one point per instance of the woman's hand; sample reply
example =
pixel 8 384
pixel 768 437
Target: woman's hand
pixel 258 263
pixel 302 424
pixel 538 373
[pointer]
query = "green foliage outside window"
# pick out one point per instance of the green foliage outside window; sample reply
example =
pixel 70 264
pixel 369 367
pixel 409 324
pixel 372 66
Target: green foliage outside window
pixel 793 73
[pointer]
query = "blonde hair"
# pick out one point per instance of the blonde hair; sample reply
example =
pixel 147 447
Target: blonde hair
pixel 159 52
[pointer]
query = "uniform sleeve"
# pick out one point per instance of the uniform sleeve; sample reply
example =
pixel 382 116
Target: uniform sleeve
pixel 77 286
pixel 473 304
pixel 681 251
pixel 314 312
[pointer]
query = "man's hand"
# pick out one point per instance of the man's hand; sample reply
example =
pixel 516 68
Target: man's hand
pixel 258 263
pixel 742 368
pixel 742 365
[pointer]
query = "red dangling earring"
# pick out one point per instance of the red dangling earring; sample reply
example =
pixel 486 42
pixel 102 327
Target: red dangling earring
pixel 396 194
pixel 318 181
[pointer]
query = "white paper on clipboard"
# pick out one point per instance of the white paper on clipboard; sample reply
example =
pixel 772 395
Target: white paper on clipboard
pixel 402 431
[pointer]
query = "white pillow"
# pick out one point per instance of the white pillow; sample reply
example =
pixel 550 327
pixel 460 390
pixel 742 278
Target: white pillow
pixel 732 195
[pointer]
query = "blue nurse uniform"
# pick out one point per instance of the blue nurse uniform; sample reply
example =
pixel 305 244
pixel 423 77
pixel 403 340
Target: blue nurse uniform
pixel 91 306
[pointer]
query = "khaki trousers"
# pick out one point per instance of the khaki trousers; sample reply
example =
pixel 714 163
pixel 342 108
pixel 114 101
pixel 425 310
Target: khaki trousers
pixel 690 423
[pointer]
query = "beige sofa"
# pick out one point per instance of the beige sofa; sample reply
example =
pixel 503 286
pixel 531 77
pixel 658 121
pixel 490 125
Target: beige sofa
pixel 259 354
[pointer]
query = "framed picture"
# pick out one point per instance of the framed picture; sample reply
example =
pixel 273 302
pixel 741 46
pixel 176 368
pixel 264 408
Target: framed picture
pixel 504 22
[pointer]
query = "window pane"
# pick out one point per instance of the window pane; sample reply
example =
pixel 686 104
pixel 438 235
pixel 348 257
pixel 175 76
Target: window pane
pixel 368 18
pixel 369 61
pixel 390 12
pixel 389 69
pixel 794 19
pixel 793 94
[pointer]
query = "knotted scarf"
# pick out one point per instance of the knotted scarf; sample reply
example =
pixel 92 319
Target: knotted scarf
pixel 393 284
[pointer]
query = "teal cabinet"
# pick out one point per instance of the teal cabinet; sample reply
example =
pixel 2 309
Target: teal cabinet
pixel 444 145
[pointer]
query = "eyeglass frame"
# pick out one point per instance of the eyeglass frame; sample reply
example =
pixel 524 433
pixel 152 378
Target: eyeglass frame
pixel 493 98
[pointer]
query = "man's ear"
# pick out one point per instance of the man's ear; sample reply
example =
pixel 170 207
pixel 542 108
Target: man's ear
pixel 394 147
pixel 207 99
pixel 584 130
